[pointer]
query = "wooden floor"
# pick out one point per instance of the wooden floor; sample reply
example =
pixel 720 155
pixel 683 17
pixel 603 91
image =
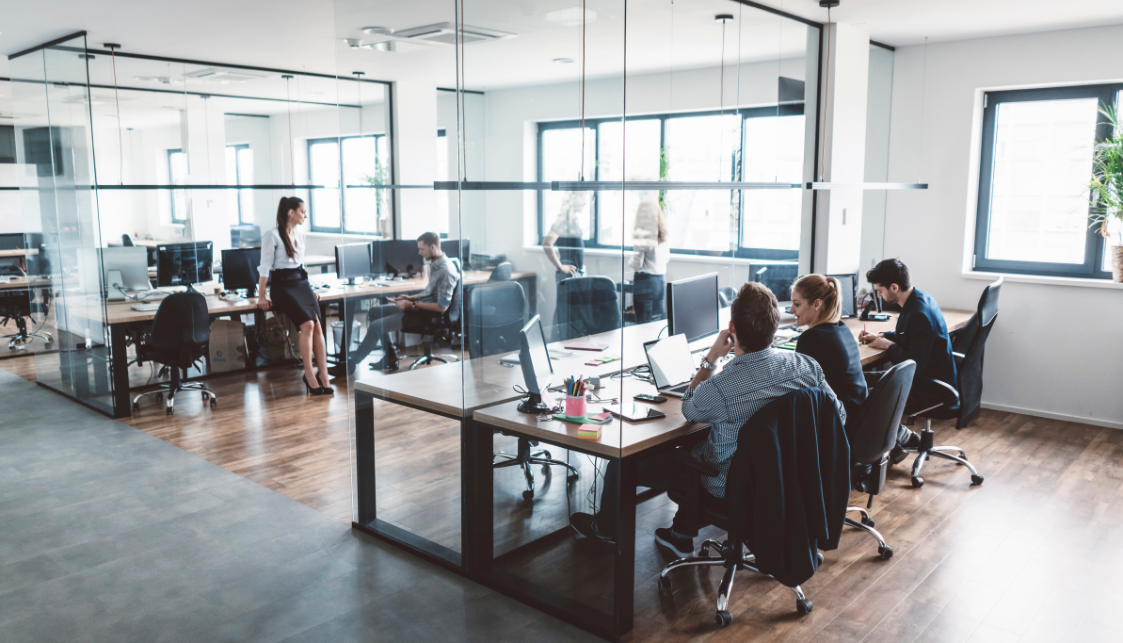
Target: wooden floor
pixel 1032 555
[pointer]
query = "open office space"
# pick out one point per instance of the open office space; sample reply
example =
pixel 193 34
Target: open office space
pixel 627 320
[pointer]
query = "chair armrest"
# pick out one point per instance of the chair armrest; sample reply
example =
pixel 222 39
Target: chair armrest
pixel 958 356
pixel 684 456
pixel 948 389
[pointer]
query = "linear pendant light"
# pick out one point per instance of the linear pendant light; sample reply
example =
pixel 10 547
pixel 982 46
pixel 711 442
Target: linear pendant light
pixel 822 184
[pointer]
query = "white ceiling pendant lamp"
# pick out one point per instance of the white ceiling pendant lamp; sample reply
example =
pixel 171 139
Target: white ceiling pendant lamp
pixel 822 184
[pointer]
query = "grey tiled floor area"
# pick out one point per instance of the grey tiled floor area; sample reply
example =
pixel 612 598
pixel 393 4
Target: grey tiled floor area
pixel 109 534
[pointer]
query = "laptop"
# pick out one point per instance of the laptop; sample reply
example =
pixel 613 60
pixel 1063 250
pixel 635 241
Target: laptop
pixel 672 365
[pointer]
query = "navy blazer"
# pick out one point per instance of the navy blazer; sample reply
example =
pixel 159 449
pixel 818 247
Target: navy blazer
pixel 922 336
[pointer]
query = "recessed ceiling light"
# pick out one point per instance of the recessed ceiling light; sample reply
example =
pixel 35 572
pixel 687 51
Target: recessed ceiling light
pixel 563 61
pixel 377 31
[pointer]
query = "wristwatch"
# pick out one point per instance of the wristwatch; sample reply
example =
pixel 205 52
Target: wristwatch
pixel 707 365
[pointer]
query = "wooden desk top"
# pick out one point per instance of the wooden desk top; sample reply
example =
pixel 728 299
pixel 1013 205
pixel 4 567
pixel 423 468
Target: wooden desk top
pixel 23 282
pixel 19 252
pixel 340 291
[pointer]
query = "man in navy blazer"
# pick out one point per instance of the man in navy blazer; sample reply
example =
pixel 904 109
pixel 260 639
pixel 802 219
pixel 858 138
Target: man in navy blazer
pixel 921 335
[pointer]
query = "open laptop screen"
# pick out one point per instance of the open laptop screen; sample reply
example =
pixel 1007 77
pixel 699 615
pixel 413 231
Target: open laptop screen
pixel 670 360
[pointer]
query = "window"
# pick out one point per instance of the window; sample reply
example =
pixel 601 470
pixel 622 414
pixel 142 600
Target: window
pixel 443 175
pixel 348 163
pixel 758 144
pixel 1036 163
pixel 177 175
pixel 239 171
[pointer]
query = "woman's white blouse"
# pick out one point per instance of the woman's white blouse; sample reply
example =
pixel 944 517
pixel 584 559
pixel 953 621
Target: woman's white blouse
pixel 273 255
pixel 650 257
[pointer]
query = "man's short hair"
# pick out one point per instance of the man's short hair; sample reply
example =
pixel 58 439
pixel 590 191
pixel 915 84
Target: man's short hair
pixel 430 239
pixel 755 316
pixel 890 271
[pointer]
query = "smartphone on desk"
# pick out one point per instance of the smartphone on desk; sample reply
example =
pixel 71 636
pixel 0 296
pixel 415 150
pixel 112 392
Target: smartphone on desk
pixel 634 412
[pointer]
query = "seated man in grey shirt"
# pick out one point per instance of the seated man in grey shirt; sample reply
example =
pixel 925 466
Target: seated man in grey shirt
pixel 410 312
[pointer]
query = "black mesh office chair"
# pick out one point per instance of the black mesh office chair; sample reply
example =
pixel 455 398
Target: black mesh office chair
pixel 502 272
pixel 586 306
pixel 179 337
pixel 872 433
pixel 744 521
pixel 445 324
pixel 18 305
pixel 963 404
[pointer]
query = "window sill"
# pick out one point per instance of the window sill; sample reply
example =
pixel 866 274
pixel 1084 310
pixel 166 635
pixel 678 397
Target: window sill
pixel 347 235
pixel 675 257
pixel 1045 281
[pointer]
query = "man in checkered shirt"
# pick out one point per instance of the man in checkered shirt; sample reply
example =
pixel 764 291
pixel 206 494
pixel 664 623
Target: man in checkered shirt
pixel 725 400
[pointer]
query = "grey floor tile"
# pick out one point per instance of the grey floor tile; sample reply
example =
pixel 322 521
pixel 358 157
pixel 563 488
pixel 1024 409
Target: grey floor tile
pixel 28 572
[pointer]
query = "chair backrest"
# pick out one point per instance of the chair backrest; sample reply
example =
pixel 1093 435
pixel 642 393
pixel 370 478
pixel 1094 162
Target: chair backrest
pixel 988 307
pixel 496 314
pixel 586 306
pixel 452 313
pixel 970 367
pixel 726 295
pixel 873 430
pixel 502 272
pixel 181 321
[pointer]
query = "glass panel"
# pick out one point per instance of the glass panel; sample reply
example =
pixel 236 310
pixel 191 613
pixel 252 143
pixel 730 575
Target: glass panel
pixel 567 214
pixel 879 106
pixel 773 152
pixel 323 169
pixel 232 179
pixel 359 168
pixel 702 148
pixel 1042 161
pixel 641 151
pixel 245 177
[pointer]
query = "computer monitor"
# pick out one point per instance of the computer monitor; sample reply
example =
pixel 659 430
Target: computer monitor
pixel 848 286
pixel 400 256
pixel 352 261
pixel 457 248
pixel 239 269
pixel 183 264
pixel 692 307
pixel 777 277
pixel 538 370
pixel 245 236
pixel 133 266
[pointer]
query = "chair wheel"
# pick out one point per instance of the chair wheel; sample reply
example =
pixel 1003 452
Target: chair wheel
pixel 664 585
pixel 867 521
pixel 917 482
pixel 885 552
pixel 819 558
pixel 723 618
pixel 170 412
pixel 528 495
pixel 804 606
pixel 976 480
pixel 214 402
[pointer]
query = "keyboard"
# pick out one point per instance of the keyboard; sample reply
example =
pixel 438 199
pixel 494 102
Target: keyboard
pixel 146 308
pixel 681 388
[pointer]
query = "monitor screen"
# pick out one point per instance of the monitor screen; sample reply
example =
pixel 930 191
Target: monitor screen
pixel 240 268
pixel 457 247
pixel 400 256
pixel 245 236
pixel 183 264
pixel 692 307
pixel 777 277
pixel 352 260
pixel 535 358
pixel 670 361
pixel 133 264
pixel 848 287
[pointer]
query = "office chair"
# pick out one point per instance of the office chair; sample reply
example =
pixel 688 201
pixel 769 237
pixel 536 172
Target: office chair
pixel 502 272
pixel 726 295
pixel 872 433
pixel 179 337
pixel 127 240
pixel 776 546
pixel 19 305
pixel 447 323
pixel 586 306
pixel 960 404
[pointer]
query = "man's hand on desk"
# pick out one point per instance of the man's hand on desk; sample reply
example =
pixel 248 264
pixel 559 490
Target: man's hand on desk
pixel 874 341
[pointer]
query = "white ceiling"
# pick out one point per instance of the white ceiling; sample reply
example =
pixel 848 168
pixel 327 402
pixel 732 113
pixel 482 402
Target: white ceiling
pixel 307 34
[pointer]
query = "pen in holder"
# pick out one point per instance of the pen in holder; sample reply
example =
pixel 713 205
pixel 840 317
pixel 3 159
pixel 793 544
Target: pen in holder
pixel 575 406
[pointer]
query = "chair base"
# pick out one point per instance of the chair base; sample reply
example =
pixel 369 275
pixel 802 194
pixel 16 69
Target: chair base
pixel 19 341
pixel 732 558
pixel 171 389
pixel 429 359
pixel 866 525
pixel 927 450
pixel 525 459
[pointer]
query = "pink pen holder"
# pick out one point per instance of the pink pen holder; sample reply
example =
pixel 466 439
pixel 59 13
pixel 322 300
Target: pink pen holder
pixel 575 407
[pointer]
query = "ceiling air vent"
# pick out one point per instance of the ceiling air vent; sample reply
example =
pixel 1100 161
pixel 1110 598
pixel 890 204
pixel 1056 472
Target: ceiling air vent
pixel 444 33
pixel 223 75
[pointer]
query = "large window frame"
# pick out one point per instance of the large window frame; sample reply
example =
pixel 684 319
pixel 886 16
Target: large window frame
pixel 379 141
pixel 1095 246
pixel 742 252
pixel 177 217
pixel 241 180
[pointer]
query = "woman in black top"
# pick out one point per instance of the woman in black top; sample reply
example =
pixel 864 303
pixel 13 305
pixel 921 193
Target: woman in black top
pixel 817 304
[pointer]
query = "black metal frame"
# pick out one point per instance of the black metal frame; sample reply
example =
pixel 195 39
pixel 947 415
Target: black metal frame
pixel 1107 95
pixel 338 140
pixel 742 252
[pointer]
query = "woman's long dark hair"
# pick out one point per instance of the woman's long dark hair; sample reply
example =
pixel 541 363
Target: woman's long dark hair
pixel 287 203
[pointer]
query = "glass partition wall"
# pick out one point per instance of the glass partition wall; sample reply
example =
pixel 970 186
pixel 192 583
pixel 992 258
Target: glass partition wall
pixel 601 161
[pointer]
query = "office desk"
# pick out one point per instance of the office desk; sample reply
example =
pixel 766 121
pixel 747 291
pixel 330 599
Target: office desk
pixel 323 261
pixel 152 243
pixel 19 252
pixel 25 283
pixel 478 393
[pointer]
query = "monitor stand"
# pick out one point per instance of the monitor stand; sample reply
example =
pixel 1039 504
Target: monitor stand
pixel 535 405
pixel 351 281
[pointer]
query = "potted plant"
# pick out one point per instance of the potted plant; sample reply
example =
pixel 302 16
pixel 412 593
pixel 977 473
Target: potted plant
pixel 1106 188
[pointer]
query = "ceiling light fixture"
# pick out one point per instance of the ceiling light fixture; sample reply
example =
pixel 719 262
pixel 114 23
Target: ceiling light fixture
pixel 378 31
pixel 444 33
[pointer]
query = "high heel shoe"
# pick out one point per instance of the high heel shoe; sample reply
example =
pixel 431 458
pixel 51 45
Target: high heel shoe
pixel 311 391
pixel 326 389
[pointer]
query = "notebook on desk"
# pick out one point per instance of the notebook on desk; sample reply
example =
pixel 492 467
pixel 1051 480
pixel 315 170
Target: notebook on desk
pixel 586 346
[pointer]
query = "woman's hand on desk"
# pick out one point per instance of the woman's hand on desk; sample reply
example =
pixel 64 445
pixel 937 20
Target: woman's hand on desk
pixel 264 303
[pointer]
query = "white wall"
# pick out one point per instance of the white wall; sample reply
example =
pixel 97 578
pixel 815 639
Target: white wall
pixel 1055 349
pixel 879 108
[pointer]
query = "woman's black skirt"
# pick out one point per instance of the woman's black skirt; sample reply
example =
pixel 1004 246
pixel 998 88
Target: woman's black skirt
pixel 292 295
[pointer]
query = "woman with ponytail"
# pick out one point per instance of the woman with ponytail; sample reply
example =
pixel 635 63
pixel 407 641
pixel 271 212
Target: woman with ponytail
pixel 282 265
pixel 817 304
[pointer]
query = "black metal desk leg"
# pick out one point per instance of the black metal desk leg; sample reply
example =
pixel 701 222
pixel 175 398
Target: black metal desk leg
pixel 364 459
pixel 478 488
pixel 120 367
pixel 624 579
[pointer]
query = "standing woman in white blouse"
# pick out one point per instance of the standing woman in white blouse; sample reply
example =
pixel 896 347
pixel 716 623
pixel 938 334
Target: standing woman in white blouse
pixel 652 251
pixel 282 263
